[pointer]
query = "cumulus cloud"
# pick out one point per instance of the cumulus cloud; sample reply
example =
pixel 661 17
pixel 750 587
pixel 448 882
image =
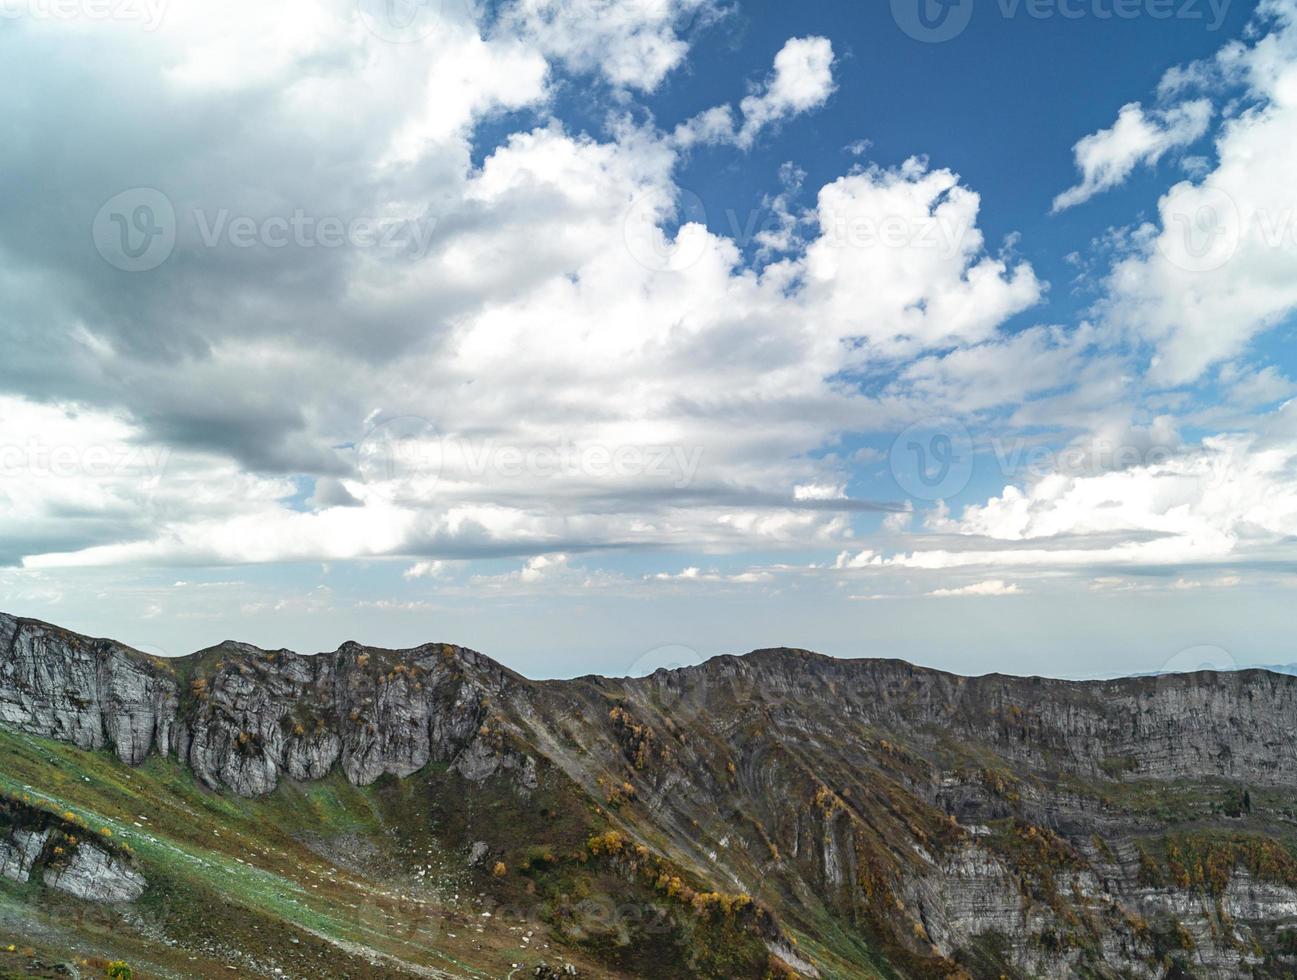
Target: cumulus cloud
pixel 73 477
pixel 631 44
pixel 802 80
pixel 1215 269
pixel 694 574
pixel 1229 500
pixel 1106 158
pixel 545 360
pixel 900 263
pixel 991 587
pixel 561 356
pixel 426 569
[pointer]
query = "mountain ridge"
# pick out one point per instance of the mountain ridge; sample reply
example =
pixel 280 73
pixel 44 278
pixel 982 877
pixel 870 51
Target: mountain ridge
pixel 895 820
pixel 1278 670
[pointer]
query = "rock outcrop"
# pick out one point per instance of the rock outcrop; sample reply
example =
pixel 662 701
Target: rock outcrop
pixel 35 842
pixel 19 851
pixel 959 826
pixel 89 692
pixel 242 717
pixel 96 876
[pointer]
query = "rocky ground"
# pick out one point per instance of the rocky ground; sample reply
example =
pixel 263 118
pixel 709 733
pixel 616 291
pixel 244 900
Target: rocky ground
pixel 429 813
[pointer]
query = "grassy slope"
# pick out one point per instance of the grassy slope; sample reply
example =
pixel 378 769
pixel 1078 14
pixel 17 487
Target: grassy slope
pixel 236 881
pixel 328 879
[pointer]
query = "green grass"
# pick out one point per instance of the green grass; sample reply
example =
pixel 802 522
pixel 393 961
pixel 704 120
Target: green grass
pixel 253 860
pixel 321 878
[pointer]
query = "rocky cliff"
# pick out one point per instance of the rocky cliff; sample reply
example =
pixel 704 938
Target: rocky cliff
pixel 242 718
pixel 901 821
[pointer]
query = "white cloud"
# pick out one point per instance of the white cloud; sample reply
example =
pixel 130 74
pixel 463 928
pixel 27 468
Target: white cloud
pixel 1230 500
pixel 802 80
pixel 1106 158
pixel 543 566
pixel 820 491
pixel 632 43
pixel 425 569
pixel 900 520
pixel 900 263
pixel 991 587
pixel 70 474
pixel 694 574
pixel 1215 269
pixel 580 375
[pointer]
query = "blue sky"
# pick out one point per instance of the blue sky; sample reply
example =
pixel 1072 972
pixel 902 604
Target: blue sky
pixel 596 335
pixel 1002 105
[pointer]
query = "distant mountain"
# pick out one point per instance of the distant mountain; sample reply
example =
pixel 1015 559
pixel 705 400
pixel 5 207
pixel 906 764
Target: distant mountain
pixel 1289 669
pixel 1282 669
pixel 430 813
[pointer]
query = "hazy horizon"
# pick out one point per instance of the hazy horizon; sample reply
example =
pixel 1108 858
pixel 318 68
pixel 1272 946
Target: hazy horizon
pixel 589 334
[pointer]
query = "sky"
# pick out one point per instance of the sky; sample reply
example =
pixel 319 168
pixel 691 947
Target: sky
pixel 604 335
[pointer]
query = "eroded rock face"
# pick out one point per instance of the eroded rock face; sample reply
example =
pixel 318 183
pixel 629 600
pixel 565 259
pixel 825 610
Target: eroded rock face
pixel 979 821
pixel 19 851
pixel 96 876
pixel 89 692
pixel 1234 725
pixel 957 820
pixel 38 843
pixel 243 718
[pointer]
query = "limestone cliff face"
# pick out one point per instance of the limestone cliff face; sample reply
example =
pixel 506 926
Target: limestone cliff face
pixel 242 718
pixel 972 826
pixel 92 693
pixel 96 875
pixel 1232 725
pixel 990 826
pixel 64 855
